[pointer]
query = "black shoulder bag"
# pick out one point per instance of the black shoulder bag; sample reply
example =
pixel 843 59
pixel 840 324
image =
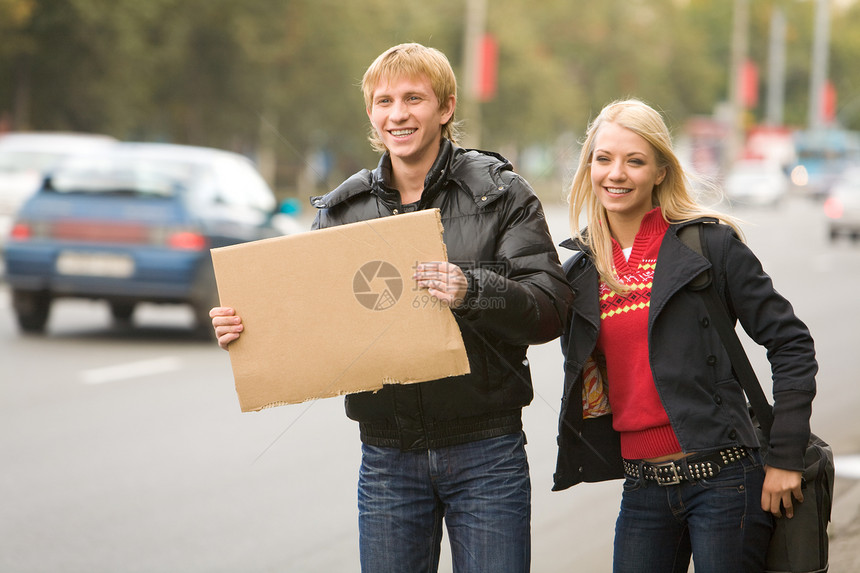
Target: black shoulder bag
pixel 799 544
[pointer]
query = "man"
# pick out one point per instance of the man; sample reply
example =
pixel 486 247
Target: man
pixel 451 448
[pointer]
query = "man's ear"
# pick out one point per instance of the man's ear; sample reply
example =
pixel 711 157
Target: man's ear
pixel 448 108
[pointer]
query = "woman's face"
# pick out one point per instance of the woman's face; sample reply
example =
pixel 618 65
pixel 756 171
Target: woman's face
pixel 624 172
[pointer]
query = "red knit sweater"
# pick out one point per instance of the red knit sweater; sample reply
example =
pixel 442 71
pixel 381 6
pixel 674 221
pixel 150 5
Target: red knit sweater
pixel 638 413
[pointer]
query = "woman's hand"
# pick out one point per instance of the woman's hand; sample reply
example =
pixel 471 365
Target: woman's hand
pixel 779 487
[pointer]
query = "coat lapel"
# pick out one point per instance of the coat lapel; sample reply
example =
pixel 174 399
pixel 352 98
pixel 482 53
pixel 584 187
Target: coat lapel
pixel 677 265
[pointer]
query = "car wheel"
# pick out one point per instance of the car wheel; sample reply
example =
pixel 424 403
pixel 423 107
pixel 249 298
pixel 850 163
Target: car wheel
pixel 32 310
pixel 122 311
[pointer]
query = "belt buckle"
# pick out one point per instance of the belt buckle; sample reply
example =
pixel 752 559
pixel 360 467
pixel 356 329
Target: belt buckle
pixel 662 479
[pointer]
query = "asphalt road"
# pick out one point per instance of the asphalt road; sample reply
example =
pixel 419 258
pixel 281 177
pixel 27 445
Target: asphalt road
pixel 125 450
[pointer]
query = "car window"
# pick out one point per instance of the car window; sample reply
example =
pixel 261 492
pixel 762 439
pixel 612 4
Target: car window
pixel 122 175
pixel 240 184
pixel 16 161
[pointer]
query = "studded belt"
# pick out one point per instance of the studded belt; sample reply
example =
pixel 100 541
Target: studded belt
pixel 691 468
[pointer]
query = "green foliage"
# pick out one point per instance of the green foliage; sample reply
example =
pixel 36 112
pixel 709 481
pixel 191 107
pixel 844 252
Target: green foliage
pixel 281 76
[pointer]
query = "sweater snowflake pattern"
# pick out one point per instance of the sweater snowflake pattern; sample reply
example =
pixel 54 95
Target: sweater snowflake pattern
pixel 638 413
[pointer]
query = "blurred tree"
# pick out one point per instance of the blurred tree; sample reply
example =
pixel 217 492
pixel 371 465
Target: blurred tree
pixel 15 50
pixel 799 17
pixel 86 69
pixel 278 79
pixel 697 71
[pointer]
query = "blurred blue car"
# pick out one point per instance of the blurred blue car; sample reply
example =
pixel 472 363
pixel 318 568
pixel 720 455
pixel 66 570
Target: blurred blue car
pixel 25 157
pixel 134 224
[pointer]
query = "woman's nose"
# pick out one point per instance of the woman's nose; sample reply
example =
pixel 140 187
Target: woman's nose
pixel 617 172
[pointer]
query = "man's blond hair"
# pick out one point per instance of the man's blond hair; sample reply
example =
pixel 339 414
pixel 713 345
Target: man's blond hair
pixel 412 61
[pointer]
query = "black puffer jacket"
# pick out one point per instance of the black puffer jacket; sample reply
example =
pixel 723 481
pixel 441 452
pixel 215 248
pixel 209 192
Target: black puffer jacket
pixel 494 229
pixel 691 369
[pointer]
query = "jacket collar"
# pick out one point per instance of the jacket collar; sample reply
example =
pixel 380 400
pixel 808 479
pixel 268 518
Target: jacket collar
pixel 358 183
pixel 467 168
pixel 573 244
pixel 576 244
pixel 677 266
pixel 676 259
pixel 433 182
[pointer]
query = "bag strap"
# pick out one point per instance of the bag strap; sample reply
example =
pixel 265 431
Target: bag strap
pixel 692 236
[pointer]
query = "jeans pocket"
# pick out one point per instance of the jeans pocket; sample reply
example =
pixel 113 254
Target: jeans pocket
pixel 730 481
pixel 631 485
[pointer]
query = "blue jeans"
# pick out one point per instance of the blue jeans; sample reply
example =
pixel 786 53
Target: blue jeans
pixel 482 489
pixel 719 520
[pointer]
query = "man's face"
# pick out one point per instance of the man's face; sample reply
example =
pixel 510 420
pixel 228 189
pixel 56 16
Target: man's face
pixel 408 118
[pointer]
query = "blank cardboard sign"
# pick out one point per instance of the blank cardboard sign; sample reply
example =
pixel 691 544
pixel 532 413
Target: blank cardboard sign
pixel 336 311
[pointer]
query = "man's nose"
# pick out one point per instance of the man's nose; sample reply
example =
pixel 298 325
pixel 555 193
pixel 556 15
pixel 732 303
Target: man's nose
pixel 399 110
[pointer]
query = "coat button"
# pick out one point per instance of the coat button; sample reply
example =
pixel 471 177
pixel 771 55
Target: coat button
pixel 706 322
pixel 394 211
pixel 484 198
pixel 718 399
pixel 732 435
pixel 712 360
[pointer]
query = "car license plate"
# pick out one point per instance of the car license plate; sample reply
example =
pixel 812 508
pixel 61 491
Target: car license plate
pixel 95 264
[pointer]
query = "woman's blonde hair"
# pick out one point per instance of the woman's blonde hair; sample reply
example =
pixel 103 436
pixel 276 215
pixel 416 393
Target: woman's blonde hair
pixel 672 194
pixel 412 61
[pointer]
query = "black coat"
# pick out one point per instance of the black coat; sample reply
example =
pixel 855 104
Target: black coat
pixel 494 229
pixel 692 372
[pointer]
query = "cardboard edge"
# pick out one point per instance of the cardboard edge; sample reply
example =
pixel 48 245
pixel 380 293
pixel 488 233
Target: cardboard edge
pixel 460 361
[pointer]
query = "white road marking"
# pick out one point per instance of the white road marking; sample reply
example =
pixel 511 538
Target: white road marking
pixel 847 466
pixel 130 370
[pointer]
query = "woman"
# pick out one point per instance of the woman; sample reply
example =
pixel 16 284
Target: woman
pixel 659 401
